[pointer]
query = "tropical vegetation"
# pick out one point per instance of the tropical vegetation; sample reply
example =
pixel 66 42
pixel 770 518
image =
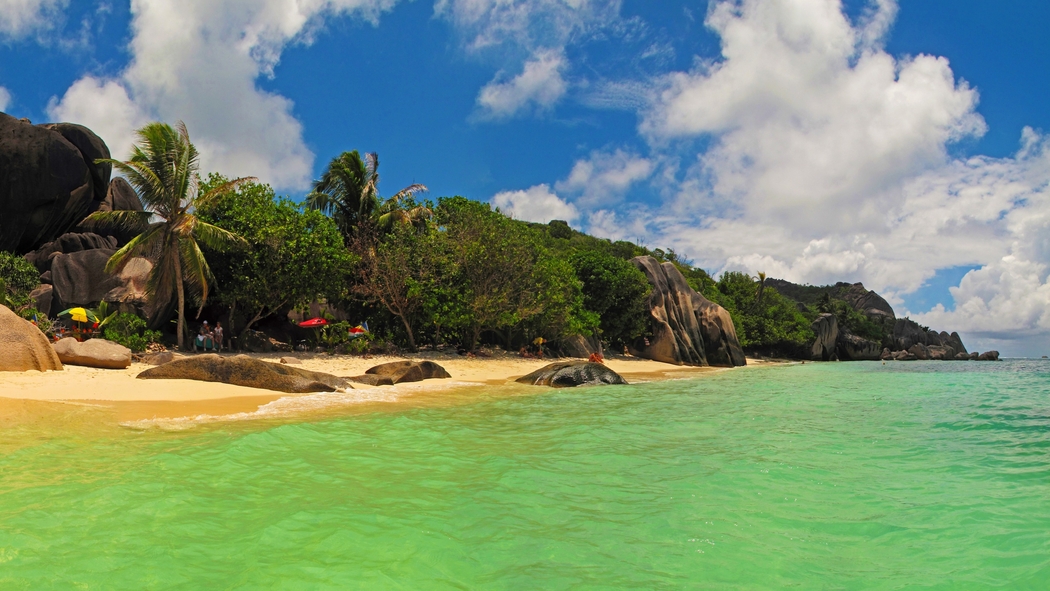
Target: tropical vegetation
pixel 164 171
pixel 450 272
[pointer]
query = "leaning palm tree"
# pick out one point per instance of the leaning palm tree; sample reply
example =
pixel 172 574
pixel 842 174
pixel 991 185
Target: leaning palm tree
pixel 761 278
pixel 348 191
pixel 164 171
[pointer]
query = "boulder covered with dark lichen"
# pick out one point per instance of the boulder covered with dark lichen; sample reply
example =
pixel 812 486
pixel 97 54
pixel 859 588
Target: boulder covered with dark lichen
pixel 569 374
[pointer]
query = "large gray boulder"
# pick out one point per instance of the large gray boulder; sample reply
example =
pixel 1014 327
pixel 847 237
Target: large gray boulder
pixel 245 371
pixel 46 186
pixel 408 371
pixel 91 148
pixel 80 278
pixel 825 345
pixel 855 348
pixel 22 346
pixel 941 352
pixel 919 351
pixel 42 296
pixel 570 374
pixel 372 380
pixel 955 342
pixel 687 328
pixel 871 304
pixel 989 356
pixel 907 333
pixel 98 353
pixel 68 243
pixel 121 196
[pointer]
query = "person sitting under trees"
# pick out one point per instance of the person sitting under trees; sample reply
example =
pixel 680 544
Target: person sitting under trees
pixel 205 338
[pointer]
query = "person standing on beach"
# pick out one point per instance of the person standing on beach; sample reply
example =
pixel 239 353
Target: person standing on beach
pixel 217 335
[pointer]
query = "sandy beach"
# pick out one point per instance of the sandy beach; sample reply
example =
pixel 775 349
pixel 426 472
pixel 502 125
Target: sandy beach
pixel 133 399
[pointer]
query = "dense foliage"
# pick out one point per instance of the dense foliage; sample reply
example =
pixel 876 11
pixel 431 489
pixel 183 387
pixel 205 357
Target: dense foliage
pixel 616 291
pixel 291 256
pixel 765 320
pixel 17 278
pixel 130 330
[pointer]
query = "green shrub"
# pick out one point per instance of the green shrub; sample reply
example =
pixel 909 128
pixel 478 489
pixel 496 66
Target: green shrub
pixel 17 279
pixel 130 330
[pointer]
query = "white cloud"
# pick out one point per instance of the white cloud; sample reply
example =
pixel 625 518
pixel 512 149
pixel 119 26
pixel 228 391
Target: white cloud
pixel 603 178
pixel 21 18
pixel 531 24
pixel 536 204
pixel 806 114
pixel 540 84
pixel 5 98
pixel 198 61
pixel 105 107
pixel 534 33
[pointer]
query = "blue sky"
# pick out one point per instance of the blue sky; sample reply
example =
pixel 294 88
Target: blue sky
pixel 898 144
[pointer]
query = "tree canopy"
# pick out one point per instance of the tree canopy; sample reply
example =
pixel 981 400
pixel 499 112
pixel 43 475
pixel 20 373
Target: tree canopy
pixel 291 255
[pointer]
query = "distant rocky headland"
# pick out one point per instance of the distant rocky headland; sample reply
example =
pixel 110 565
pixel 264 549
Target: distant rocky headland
pixel 902 339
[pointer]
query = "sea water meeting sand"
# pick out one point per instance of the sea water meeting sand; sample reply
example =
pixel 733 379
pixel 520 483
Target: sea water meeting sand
pixel 818 476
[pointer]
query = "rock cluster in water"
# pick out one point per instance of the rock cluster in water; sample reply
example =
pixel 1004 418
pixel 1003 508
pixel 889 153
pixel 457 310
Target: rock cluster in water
pixel 687 328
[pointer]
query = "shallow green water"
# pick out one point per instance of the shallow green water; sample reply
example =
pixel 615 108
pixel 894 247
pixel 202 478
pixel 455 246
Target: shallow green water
pixel 821 476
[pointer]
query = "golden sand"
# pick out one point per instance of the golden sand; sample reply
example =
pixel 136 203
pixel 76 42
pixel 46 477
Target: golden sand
pixel 118 392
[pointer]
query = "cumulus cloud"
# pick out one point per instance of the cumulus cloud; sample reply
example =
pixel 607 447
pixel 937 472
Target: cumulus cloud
pixel 604 177
pixel 105 107
pixel 198 61
pixel 807 114
pixel 21 18
pixel 536 204
pixel 5 98
pixel 540 84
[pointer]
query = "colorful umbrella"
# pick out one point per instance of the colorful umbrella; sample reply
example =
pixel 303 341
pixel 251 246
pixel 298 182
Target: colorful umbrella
pixel 79 315
pixel 313 323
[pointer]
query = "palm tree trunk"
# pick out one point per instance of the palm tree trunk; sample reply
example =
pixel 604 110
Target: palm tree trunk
pixel 179 330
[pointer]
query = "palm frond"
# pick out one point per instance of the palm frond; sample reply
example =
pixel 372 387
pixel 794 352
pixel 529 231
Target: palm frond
pixel 195 270
pixel 145 244
pixel 215 237
pixel 125 221
pixel 222 189
pixel 161 279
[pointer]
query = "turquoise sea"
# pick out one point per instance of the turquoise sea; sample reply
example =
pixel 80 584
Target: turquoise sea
pixel 816 476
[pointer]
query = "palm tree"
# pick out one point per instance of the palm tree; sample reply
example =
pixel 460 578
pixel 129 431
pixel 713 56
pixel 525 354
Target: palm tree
pixel 348 191
pixel 761 289
pixel 164 171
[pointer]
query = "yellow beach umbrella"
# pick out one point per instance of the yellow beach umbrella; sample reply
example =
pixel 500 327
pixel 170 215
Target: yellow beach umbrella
pixel 79 315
